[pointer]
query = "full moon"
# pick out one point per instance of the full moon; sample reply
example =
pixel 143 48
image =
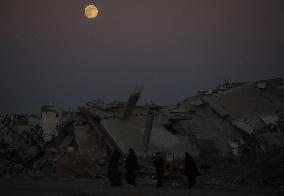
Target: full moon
pixel 91 11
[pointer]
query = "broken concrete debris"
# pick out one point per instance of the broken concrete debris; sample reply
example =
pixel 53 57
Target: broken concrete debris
pixel 148 129
pixel 232 122
pixel 244 127
pixel 132 101
pixel 270 120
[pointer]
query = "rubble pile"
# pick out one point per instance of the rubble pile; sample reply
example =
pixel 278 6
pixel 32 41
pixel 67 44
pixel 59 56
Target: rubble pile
pixel 234 131
pixel 67 154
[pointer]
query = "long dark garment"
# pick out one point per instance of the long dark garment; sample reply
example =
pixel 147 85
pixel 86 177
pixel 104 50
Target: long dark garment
pixel 190 170
pixel 131 166
pixel 159 166
pixel 114 174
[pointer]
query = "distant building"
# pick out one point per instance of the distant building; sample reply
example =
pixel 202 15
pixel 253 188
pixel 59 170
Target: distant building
pixel 50 121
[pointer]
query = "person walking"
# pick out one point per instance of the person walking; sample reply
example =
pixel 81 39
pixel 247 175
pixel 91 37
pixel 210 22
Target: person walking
pixel 159 167
pixel 131 167
pixel 114 174
pixel 190 170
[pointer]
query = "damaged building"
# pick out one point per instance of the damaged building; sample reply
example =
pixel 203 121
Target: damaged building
pixel 219 119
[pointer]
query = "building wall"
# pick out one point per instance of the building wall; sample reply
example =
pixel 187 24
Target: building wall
pixel 50 121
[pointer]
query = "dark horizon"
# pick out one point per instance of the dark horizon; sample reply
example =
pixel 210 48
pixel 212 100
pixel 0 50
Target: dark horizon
pixel 50 52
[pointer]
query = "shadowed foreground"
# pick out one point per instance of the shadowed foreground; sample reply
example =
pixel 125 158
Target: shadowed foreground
pixel 64 188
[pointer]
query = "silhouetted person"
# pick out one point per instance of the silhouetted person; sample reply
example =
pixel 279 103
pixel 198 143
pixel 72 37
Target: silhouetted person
pixel 131 166
pixel 113 169
pixel 190 170
pixel 159 166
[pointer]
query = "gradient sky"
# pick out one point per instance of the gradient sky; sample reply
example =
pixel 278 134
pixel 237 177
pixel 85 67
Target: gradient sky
pixel 49 51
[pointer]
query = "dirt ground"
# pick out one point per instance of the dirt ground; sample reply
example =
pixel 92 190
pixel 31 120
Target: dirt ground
pixel 93 188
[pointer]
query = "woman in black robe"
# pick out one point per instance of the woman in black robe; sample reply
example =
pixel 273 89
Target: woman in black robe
pixel 131 166
pixel 190 170
pixel 114 174
pixel 159 167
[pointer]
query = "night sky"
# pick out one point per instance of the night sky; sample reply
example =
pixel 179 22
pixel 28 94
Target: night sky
pixel 50 52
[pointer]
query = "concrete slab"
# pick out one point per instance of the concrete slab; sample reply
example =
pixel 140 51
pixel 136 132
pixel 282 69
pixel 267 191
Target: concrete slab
pixel 129 134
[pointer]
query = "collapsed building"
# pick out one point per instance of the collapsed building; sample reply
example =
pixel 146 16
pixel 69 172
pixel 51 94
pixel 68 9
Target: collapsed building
pixel 125 125
pixel 221 119
pixel 223 123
